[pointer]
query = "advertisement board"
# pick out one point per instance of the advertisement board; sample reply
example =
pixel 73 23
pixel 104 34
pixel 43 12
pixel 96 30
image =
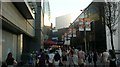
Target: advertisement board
pixel 87 26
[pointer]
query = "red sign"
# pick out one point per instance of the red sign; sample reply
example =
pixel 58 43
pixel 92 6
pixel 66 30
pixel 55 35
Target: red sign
pixel 84 19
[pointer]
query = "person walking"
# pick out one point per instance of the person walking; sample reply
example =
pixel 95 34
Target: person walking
pixel 30 61
pixel 56 59
pixel 60 51
pixel 42 59
pixel 104 58
pixel 112 59
pixel 95 56
pixel 90 57
pixel 10 60
pixel 75 58
pixel 64 58
pixel 81 58
pixel 70 58
pixel 47 59
pixel 51 58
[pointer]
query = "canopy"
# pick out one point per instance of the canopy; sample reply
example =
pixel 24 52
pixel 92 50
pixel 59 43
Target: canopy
pixel 50 42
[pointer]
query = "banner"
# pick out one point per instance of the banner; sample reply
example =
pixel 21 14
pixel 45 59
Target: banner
pixel 87 26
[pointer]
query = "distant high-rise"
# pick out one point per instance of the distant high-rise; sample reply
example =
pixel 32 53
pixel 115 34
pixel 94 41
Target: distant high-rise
pixel 46 10
pixel 63 21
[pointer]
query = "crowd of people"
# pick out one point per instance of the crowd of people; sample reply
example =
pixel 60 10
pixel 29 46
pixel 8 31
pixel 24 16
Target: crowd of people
pixel 61 57
pixel 68 57
pixel 75 58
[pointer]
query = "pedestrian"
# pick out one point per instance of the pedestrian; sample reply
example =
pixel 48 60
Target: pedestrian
pixel 90 57
pixel 51 58
pixel 64 57
pixel 47 58
pixel 60 51
pixel 38 55
pixel 81 58
pixel 70 58
pixel 75 58
pixel 112 59
pixel 100 57
pixel 36 59
pixel 104 58
pixel 42 59
pixel 10 60
pixel 30 59
pixel 95 56
pixel 57 59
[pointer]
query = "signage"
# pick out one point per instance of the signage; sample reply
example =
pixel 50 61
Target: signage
pixel 87 26
pixel 84 19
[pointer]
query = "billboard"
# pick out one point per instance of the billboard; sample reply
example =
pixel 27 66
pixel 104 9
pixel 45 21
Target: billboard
pixel 87 26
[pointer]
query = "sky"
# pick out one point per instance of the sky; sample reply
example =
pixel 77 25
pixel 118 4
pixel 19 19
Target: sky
pixel 63 7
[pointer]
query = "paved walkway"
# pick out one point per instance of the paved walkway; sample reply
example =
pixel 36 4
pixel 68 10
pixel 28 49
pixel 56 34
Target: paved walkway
pixel 98 63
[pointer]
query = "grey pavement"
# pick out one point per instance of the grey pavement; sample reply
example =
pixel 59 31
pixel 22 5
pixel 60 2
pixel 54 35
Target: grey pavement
pixel 98 63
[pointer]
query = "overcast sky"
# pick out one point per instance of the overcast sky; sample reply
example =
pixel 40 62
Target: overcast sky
pixel 62 7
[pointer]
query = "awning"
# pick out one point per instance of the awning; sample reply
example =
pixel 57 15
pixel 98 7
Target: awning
pixel 49 42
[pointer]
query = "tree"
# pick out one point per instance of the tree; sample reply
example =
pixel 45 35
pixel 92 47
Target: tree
pixel 110 9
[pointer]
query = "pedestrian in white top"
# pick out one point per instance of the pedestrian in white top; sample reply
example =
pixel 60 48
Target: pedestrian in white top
pixel 60 52
pixel 51 58
pixel 105 56
pixel 75 58
pixel 81 58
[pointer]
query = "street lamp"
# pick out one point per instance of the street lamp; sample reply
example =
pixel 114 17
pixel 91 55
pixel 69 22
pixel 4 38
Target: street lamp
pixel 72 34
pixel 84 31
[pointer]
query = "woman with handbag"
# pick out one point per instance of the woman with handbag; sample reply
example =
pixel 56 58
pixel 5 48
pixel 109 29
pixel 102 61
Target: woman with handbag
pixel 10 60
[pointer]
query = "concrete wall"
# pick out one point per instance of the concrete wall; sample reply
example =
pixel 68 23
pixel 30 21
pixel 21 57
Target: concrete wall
pixel 9 44
pixel 13 42
pixel 10 12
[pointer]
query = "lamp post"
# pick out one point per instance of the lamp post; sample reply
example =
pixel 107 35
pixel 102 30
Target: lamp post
pixel 72 34
pixel 84 31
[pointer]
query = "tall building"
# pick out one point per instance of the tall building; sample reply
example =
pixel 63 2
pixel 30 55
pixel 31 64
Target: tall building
pixel 93 37
pixel 22 28
pixel 47 24
pixel 62 25
pixel 46 10
pixel 63 21
pixel 17 28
